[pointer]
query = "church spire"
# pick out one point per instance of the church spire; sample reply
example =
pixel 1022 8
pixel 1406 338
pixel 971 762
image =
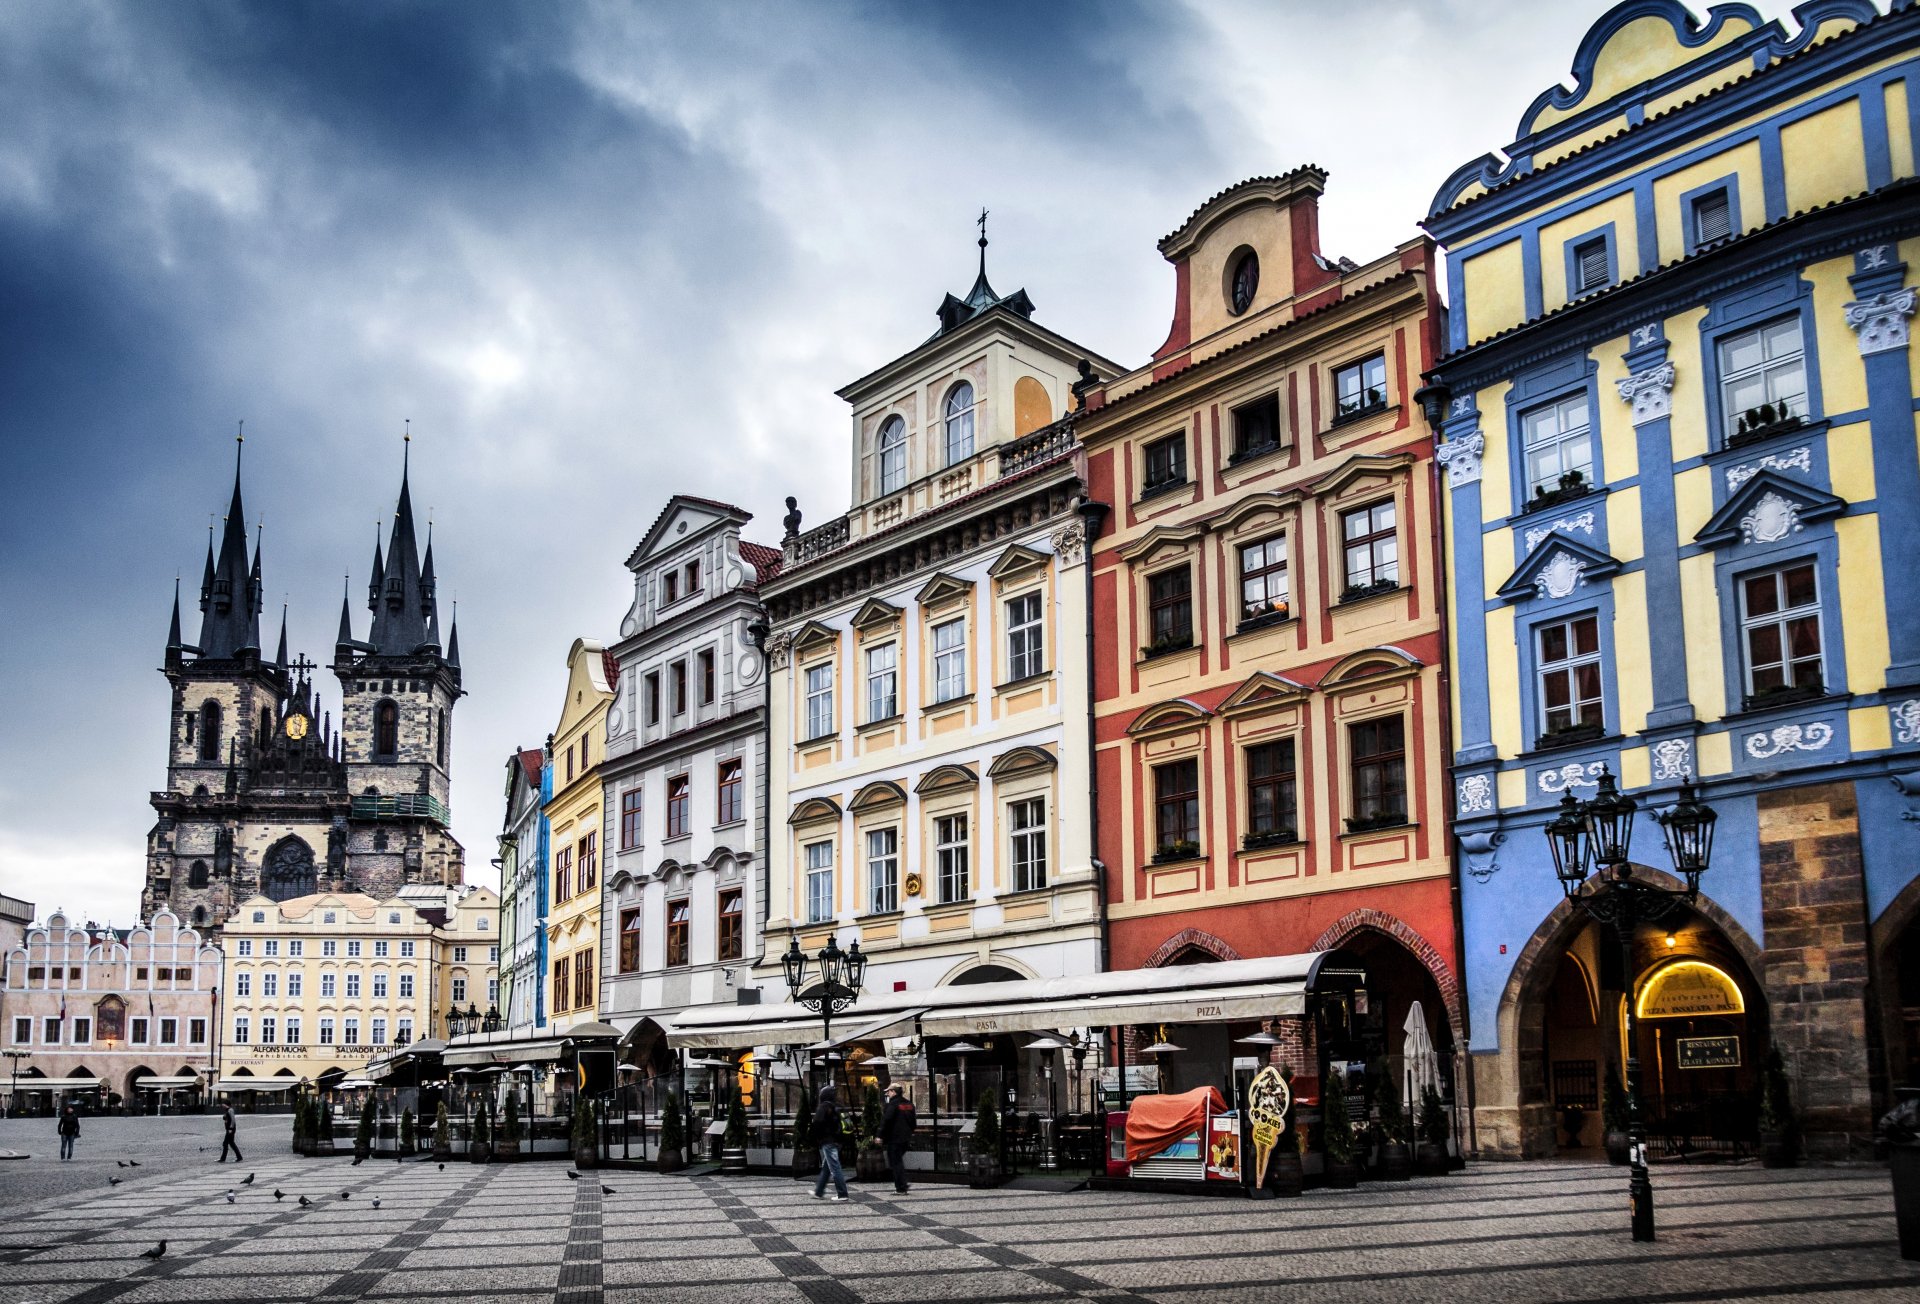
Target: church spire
pixel 231 625
pixel 174 648
pixel 280 658
pixel 401 608
pixel 453 639
pixel 344 642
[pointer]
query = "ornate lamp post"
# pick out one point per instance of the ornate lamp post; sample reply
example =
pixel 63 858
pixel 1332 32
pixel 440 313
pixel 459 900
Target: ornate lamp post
pixel 13 1092
pixel 842 975
pixel 456 1021
pixel 1590 841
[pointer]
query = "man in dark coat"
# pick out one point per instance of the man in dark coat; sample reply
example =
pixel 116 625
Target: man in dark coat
pixel 826 1135
pixel 69 1131
pixel 897 1122
pixel 228 1143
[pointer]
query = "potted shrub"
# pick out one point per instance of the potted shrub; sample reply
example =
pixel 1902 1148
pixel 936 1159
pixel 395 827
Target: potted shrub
pixel 302 1129
pixel 1613 1120
pixel 1430 1160
pixel 733 1142
pixel 1336 1133
pixel 442 1133
pixel 586 1151
pixel 806 1155
pixel 363 1133
pixel 1779 1130
pixel 983 1162
pixel 1185 849
pixel 480 1141
pixel 409 1139
pixel 673 1137
pixel 1396 1156
pixel 323 1127
pixel 870 1160
pixel 508 1144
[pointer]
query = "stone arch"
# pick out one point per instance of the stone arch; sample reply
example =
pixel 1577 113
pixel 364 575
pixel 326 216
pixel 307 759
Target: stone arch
pixel 1190 939
pixel 958 976
pixel 1344 929
pixel 288 870
pixel 1893 973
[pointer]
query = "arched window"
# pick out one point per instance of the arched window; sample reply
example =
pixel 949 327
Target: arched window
pixel 210 731
pixel 959 423
pixel 893 454
pixel 197 875
pixel 199 916
pixel 386 731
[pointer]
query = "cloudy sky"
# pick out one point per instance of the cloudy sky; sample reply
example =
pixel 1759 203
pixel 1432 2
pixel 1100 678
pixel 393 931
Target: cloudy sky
pixel 597 254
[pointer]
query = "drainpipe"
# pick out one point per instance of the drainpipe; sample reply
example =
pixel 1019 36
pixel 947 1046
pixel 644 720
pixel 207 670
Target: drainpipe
pixel 757 632
pixel 1094 515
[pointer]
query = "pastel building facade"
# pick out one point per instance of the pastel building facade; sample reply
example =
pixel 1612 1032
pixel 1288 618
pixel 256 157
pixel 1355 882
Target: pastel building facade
pixel 1681 488
pixel 574 814
pixel 523 892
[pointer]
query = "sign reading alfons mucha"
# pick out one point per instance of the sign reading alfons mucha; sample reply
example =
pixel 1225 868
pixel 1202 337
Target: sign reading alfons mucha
pixel 1268 1098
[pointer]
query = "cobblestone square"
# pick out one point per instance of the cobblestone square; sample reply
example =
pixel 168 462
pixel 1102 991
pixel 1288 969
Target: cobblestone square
pixel 504 1233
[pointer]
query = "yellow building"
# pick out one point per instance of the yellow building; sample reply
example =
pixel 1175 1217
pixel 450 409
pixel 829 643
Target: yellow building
pixel 575 814
pixel 318 985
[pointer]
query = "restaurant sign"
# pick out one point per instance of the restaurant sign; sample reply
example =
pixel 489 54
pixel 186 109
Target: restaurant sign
pixel 1708 1052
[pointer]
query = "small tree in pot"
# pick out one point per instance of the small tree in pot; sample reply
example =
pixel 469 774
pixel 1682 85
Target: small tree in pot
pixel 586 1151
pixel 733 1143
pixel 302 1129
pixel 1779 1129
pixel 1430 1160
pixel 480 1143
pixel 510 1130
pixel 1336 1132
pixel 322 1124
pixel 1613 1119
pixel 673 1137
pixel 409 1138
pixel 1396 1156
pixel 983 1165
pixel 806 1155
pixel 363 1133
pixel 442 1133
pixel 870 1159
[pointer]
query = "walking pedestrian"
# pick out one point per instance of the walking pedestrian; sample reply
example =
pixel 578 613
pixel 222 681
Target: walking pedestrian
pixel 69 1131
pixel 228 1143
pixel 897 1122
pixel 826 1135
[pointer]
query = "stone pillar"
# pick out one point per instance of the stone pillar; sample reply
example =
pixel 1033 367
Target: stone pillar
pixel 1814 914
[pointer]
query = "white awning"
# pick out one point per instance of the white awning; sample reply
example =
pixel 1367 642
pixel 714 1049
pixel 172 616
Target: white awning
pixel 351 1084
pixel 885 1026
pixel 54 1084
pixel 165 1084
pixel 256 1084
pixel 460 1054
pixel 1192 993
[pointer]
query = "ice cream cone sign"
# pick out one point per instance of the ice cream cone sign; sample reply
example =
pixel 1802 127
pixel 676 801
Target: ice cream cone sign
pixel 1268 1099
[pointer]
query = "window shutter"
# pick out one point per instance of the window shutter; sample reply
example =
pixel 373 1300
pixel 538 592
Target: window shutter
pixel 1712 218
pixel 1592 258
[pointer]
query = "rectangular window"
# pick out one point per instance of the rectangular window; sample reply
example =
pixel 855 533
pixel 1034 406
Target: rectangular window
pixel 1763 376
pixel 589 850
pixel 269 984
pixel 1780 631
pixel 669 587
pixel 380 950
pixel 1712 218
pixel 1592 266
pixel 493 992
pixel 950 858
pixel 630 941
pixel 732 933
pixel 272 947
pixel 1256 427
pixel 819 882
pixel 949 660
pixel 1270 791
pixel 1263 581
pixel 245 946
pixel 679 918
pixel 242 1031
pixel 1559 445
pixel 83 1032
pixel 1026 643
pixel 679 801
pixel 269 1029
pixel 678 673
pixel 292 1036
pixel 296 947
pixel 1170 608
pixel 326 1031
pixel 883 870
pixel 1379 759
pixel 1372 548
pixel 709 676
pixel 295 981
pixel 819 700
pixel 1360 388
pixel 329 948
pixel 562 874
pixel 458 987
pixel 326 984
pixel 350 1031
pixel 653 697
pixel 731 789
pixel 169 1032
pixel 1166 462
pixel 50 1031
pixel 406 986
pixel 559 997
pixel 1570 674
pixel 1176 808
pixel 353 950
pixel 22 1030
pixel 353 986
pixel 630 820
pixel 691 575
pixel 1028 820
pixel 379 986
pixel 583 980
pixel 243 984
pixel 406 948
pixel 379 1032
pixel 403 1032
pixel 196 1032
pixel 883 682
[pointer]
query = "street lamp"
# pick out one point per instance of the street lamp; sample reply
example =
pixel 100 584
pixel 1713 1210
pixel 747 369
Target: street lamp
pixel 13 1092
pixel 492 1022
pixel 842 975
pixel 456 1022
pixel 1590 841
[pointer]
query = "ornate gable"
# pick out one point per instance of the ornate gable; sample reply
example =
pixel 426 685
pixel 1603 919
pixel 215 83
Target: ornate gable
pixel 1766 509
pixel 1017 560
pixel 942 589
pixel 1555 568
pixel 1362 472
pixel 1263 688
pixel 875 614
pixel 1180 713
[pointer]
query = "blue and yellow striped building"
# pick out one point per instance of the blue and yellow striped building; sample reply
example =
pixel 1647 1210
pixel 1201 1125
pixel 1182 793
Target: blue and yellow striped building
pixel 1683 504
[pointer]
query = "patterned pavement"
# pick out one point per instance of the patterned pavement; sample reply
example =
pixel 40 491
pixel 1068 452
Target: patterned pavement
pixel 523 1232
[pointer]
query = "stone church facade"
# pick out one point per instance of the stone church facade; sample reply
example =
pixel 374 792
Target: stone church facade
pixel 264 794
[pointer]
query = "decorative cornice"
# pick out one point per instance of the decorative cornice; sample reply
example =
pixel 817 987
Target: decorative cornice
pixel 1881 320
pixel 1462 457
pixel 1650 392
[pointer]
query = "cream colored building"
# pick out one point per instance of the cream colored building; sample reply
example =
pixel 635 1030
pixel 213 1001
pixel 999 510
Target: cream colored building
pixel 576 817
pixel 318 985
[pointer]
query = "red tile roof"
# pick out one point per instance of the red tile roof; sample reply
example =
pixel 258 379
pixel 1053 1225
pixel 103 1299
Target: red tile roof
pixel 531 759
pixel 764 560
pixel 611 664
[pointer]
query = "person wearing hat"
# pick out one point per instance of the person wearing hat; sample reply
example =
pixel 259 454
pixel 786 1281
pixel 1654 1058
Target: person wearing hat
pixel 827 1132
pixel 897 1122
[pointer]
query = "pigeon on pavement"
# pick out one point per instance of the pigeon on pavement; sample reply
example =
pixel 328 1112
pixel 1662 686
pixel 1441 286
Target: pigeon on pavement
pixel 230 1195
pixel 279 1194
pixel 120 1163
pixel 607 1190
pixel 155 1252
pixel 376 1202
pixel 248 1180
pixel 304 1202
pixel 346 1195
pixel 113 1181
pixel 133 1163
pixel 572 1176
pixel 443 1168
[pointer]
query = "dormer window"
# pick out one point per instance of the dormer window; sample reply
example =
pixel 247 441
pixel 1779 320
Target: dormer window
pixel 692 574
pixel 893 455
pixel 959 423
pixel 1245 282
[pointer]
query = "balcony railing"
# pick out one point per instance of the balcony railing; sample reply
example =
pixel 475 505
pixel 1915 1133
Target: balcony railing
pixel 1043 445
pixel 406 805
pixel 817 542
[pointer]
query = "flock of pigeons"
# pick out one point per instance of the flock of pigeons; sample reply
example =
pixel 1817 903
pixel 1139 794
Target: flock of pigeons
pixel 233 1195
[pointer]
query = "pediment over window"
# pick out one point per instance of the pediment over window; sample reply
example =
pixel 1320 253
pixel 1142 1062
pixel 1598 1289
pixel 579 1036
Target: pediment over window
pixel 874 614
pixel 816 810
pixel 812 635
pixel 1253 505
pixel 1766 509
pixel 1555 568
pixel 1021 760
pixel 1180 713
pixel 884 792
pixel 1371 665
pixel 1017 560
pixel 943 778
pixel 1264 688
pixel 1170 538
pixel 942 589
pixel 1363 471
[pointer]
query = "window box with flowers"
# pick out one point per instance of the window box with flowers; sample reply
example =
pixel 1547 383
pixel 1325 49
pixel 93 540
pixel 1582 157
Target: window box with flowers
pixel 1763 422
pixel 1272 838
pixel 1572 485
pixel 1260 615
pixel 1166 644
pixel 1386 819
pixel 1176 851
pixel 1570 734
pixel 1361 592
pixel 1783 695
